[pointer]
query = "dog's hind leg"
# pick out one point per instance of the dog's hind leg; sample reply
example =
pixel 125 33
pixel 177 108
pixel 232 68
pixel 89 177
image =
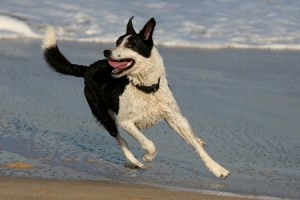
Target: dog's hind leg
pixel 180 125
pixel 147 145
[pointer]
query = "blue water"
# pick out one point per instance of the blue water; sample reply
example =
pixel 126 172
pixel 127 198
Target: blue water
pixel 243 103
pixel 207 23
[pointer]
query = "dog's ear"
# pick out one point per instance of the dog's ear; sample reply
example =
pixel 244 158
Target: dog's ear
pixel 130 30
pixel 148 29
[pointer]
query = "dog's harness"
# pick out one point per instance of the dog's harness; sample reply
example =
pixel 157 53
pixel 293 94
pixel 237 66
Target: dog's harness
pixel 149 89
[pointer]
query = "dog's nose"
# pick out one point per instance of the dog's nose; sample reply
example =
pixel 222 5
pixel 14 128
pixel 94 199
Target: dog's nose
pixel 107 53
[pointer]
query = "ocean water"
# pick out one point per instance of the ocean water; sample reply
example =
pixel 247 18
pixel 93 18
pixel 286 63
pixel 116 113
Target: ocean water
pixel 243 103
pixel 268 24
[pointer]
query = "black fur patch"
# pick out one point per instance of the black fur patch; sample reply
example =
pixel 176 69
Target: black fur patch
pixel 60 64
pixel 120 39
pixel 102 92
pixel 136 43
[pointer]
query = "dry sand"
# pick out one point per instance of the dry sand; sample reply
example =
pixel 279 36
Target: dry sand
pixel 23 189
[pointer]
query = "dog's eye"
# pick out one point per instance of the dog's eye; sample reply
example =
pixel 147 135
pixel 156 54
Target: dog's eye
pixel 130 44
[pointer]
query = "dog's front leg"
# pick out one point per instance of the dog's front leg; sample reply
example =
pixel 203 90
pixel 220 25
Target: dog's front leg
pixel 127 153
pixel 147 145
pixel 180 125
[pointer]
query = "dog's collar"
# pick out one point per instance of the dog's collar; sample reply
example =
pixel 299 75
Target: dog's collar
pixel 148 89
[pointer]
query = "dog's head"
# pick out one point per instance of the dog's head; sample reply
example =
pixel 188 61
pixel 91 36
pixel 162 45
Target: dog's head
pixel 131 49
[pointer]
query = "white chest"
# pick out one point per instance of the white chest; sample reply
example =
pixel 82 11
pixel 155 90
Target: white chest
pixel 143 109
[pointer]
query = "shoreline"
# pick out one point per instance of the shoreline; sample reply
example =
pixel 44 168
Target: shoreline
pixel 33 188
pixel 208 47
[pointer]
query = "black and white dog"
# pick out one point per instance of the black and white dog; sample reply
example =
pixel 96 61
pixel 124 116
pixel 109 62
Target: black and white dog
pixel 129 89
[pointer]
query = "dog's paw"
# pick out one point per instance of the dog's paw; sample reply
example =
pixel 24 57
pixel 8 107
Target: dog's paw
pixel 220 172
pixel 150 152
pixel 149 156
pixel 224 174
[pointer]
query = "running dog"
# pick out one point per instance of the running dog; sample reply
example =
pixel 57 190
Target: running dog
pixel 129 89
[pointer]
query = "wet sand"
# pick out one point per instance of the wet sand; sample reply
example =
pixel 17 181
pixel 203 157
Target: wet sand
pixel 30 189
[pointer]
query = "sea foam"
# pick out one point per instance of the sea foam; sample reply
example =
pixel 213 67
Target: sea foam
pixel 204 24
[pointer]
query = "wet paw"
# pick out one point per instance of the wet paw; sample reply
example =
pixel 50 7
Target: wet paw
pixel 221 172
pixel 150 152
pixel 149 156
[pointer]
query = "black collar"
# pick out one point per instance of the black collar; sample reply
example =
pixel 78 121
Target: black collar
pixel 149 89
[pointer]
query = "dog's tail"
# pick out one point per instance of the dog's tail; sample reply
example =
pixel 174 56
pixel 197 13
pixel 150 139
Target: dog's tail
pixel 56 60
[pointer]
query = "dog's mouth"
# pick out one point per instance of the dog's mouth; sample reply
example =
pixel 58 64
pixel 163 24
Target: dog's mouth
pixel 120 65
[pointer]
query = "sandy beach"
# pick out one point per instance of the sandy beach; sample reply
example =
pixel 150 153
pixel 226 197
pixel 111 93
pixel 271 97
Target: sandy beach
pixel 243 103
pixel 30 189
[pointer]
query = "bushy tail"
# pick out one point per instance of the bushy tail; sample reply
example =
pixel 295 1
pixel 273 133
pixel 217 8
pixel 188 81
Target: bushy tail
pixel 56 60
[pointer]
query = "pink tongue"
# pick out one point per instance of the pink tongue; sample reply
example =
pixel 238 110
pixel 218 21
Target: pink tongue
pixel 118 65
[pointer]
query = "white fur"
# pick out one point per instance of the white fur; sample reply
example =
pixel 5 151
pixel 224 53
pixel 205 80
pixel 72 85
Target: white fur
pixel 49 39
pixel 138 110
pixel 130 157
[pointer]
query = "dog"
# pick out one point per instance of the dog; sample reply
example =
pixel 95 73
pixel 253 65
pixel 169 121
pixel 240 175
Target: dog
pixel 129 89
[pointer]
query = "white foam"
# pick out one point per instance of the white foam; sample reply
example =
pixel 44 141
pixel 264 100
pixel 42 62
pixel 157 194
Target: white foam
pixel 13 28
pixel 204 24
pixel 218 193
